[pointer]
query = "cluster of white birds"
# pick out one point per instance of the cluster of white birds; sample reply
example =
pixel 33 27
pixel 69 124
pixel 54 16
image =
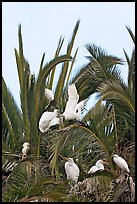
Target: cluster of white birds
pixel 72 170
pixel 72 110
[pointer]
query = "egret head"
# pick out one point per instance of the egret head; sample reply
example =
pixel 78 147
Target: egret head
pixel 100 163
pixel 115 156
pixel 56 111
pixel 49 95
pixel 70 160
pixel 26 144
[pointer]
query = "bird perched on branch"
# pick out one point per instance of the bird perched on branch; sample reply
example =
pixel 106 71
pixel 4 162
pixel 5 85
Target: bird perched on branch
pixel 51 101
pixel 48 119
pixel 49 95
pixel 25 149
pixel 98 166
pixel 72 171
pixel 121 163
pixel 73 108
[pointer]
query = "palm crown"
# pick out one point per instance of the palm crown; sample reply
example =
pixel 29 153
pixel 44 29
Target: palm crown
pixel 104 129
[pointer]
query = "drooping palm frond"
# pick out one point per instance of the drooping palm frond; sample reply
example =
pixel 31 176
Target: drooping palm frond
pixel 114 91
pixel 122 99
pixel 100 68
pixel 87 144
pixel 101 120
pixel 12 123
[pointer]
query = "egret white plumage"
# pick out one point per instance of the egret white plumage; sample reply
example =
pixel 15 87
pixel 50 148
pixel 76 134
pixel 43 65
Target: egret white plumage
pixel 49 95
pixel 72 170
pixel 121 163
pixel 47 120
pixel 54 121
pixel 98 166
pixel 73 108
pixel 25 149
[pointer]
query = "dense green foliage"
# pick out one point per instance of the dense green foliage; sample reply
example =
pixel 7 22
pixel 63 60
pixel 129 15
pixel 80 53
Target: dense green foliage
pixel 105 129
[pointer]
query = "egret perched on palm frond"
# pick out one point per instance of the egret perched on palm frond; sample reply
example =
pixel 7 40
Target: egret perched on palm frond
pixel 98 166
pixel 73 108
pixel 49 95
pixel 72 171
pixel 121 163
pixel 25 149
pixel 47 120
pixel 51 101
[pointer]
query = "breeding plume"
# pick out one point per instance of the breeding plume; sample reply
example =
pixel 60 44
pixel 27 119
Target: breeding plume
pixel 47 120
pixel 121 163
pixel 73 108
pixel 25 149
pixel 98 166
pixel 72 171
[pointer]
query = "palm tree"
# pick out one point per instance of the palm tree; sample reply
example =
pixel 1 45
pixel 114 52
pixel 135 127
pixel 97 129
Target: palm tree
pixel 99 134
pixel 105 129
pixel 21 124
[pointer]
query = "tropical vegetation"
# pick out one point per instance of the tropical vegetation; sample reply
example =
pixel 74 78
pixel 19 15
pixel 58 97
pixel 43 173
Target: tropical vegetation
pixel 106 128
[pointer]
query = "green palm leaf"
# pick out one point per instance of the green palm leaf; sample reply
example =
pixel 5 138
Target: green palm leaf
pixel 65 67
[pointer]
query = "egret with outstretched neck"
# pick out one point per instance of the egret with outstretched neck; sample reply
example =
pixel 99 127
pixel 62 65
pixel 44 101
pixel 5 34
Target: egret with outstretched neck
pixel 73 108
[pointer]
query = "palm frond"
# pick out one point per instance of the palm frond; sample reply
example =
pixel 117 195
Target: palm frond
pixel 12 118
pixel 45 71
pixel 52 75
pixel 114 91
pixel 65 67
pixel 131 33
pixel 85 142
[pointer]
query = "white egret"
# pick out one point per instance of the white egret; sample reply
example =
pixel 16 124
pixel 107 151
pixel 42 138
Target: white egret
pixel 49 95
pixel 25 149
pixel 121 163
pixel 73 108
pixel 72 170
pixel 54 121
pixel 47 120
pixel 79 107
pixel 98 166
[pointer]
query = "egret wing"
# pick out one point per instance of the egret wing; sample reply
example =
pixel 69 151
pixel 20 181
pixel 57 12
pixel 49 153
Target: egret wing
pixel 72 99
pixel 45 120
pixel 54 121
pixel 121 163
pixel 93 169
pixel 81 104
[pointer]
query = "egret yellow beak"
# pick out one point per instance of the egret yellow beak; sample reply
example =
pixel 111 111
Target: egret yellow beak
pixel 104 162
